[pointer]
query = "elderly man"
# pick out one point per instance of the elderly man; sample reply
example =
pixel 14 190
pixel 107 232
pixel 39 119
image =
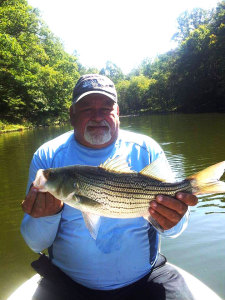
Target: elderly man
pixel 123 262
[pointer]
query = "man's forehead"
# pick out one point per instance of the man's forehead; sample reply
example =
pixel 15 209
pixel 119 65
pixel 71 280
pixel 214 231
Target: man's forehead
pixel 94 99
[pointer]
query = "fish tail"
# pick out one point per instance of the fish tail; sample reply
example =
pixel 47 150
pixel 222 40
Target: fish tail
pixel 207 180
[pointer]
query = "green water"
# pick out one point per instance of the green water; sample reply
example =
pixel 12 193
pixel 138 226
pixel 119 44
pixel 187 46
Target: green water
pixel 191 142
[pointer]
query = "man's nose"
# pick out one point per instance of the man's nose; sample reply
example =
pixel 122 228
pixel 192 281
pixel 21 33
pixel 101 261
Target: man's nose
pixel 97 115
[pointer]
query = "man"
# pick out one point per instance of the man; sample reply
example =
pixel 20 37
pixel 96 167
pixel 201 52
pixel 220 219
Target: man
pixel 123 262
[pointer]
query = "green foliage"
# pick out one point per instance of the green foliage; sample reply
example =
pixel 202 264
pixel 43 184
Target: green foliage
pixel 112 71
pixel 199 72
pixel 122 91
pixel 133 94
pixel 189 21
pixel 36 74
pixel 6 127
pixel 192 77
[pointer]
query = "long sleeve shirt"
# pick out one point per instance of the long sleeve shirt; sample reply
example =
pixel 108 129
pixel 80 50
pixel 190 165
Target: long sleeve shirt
pixel 125 249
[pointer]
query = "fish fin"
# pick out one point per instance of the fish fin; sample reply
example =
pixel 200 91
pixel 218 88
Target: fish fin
pixel 82 200
pixel 159 170
pixel 207 180
pixel 116 165
pixel 92 223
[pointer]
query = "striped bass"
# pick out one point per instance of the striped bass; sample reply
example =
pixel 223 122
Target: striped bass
pixel 114 190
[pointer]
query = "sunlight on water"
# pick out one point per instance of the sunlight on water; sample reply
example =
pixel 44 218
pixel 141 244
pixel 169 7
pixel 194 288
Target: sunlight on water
pixel 191 143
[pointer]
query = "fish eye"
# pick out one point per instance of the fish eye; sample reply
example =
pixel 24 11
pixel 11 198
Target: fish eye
pixel 51 175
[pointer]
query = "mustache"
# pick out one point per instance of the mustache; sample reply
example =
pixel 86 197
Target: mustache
pixel 102 123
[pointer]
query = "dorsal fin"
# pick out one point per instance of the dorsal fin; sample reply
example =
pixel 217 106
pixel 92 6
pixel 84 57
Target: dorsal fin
pixel 117 164
pixel 159 170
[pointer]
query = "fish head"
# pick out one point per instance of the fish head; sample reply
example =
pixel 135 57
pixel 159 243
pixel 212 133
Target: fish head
pixel 40 181
pixel 57 182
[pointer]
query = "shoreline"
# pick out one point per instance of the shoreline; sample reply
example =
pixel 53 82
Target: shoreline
pixel 22 128
pixel 13 130
pixel 17 127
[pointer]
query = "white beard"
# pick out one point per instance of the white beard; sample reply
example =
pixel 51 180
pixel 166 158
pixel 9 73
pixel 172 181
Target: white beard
pixel 94 138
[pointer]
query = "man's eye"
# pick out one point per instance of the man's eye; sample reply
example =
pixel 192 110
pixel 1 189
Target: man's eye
pixel 106 110
pixel 86 110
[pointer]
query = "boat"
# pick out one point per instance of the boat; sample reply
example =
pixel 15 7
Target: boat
pixel 199 290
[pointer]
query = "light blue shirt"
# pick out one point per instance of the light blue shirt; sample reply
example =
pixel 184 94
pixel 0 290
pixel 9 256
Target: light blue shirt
pixel 125 249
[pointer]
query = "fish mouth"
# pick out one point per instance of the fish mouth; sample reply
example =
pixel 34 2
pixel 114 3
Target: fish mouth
pixel 40 180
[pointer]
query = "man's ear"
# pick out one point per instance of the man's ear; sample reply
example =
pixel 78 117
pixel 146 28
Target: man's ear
pixel 118 110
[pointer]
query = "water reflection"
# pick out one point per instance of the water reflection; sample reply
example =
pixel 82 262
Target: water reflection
pixel 191 143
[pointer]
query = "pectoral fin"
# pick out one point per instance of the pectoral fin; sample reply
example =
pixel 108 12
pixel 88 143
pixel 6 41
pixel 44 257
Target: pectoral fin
pixel 92 222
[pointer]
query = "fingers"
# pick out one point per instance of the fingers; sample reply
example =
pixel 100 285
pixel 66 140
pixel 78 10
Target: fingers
pixel 162 221
pixel 52 205
pixel 166 216
pixel 188 199
pixel 38 204
pixel 172 203
pixel 28 203
pixel 168 211
pixel 38 209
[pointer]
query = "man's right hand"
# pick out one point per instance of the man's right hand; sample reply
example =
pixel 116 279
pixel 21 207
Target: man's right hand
pixel 39 204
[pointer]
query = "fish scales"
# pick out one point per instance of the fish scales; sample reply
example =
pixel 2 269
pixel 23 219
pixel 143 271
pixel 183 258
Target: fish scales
pixel 129 192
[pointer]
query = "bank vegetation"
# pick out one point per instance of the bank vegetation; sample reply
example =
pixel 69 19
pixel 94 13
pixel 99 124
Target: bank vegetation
pixel 37 75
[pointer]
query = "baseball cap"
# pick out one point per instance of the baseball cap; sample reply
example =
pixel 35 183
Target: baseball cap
pixel 92 84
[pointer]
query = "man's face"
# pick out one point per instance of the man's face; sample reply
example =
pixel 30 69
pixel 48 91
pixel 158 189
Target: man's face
pixel 95 119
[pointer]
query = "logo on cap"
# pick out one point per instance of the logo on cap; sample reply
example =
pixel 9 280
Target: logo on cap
pixel 94 83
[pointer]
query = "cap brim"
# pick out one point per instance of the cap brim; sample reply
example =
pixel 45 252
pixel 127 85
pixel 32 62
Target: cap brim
pixel 95 92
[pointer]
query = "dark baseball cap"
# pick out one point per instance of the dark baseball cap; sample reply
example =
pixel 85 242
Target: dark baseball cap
pixel 94 84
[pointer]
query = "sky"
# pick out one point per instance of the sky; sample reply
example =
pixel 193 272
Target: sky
pixel 124 32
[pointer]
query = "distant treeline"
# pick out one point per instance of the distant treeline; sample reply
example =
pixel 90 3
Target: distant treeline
pixel 37 76
pixel 190 78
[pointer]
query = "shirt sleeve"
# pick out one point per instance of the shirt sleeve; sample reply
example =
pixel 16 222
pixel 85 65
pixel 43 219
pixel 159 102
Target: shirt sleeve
pixel 39 233
pixel 177 229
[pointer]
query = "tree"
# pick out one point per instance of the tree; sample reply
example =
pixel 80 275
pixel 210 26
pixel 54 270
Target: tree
pixel 112 71
pixel 189 21
pixel 133 94
pixel 122 91
pixel 199 71
pixel 36 74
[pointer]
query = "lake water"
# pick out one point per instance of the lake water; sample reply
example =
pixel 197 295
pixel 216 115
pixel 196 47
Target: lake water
pixel 191 142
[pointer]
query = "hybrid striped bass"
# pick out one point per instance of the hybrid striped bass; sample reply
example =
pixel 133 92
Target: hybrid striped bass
pixel 114 190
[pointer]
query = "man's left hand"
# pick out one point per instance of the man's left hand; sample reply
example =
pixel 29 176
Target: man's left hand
pixel 168 211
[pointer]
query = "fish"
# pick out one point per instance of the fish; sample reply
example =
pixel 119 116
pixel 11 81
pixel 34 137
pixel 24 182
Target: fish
pixel 114 190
